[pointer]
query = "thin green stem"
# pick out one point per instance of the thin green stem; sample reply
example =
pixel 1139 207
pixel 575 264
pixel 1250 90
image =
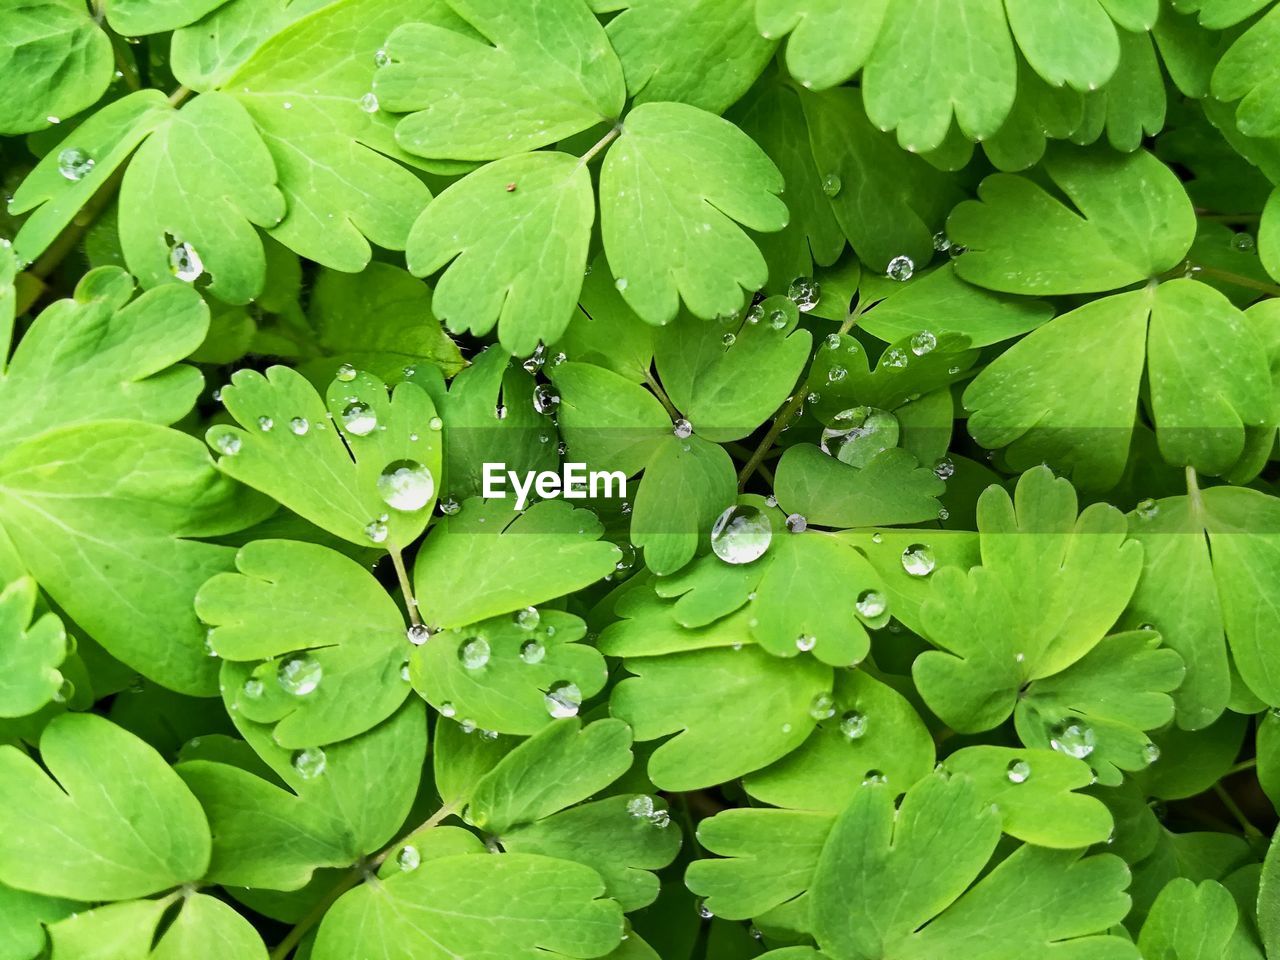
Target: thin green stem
pixel 406 588
pixel 661 394
pixel 600 144
pixel 1237 280
pixel 1242 766
pixel 1234 809
pixel 1230 217
pixel 291 939
pixel 430 823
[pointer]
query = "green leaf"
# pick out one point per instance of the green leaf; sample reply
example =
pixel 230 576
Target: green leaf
pixel 204 928
pixel 604 331
pixel 547 908
pixel 21 918
pixel 324 611
pixel 964 64
pixel 830 41
pixel 509 674
pixel 109 820
pixel 663 43
pixel 891 488
pixel 579 84
pixel 362 466
pixel 1129 220
pixel 132 18
pixel 205 179
pixel 608 421
pixel 55 54
pixel 520 269
pixel 891 861
pixel 733 711
pixel 1072 43
pixel 673 189
pixel 488 560
pixel 686 485
pixel 1247 70
pixel 107 517
pixel 31 650
pixel 1189 922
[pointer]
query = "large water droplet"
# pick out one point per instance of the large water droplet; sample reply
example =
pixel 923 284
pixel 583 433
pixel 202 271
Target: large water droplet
pixel 918 560
pixel 871 604
pixel 527 619
pixel 853 725
pixel 741 534
pixel 74 164
pixel 682 428
pixel 545 399
pixel 406 485
pixel 309 763
pixel 408 859
pixel 299 674
pixel 253 688
pixel 862 434
pixel 228 444
pixel 1018 771
pixel 1150 753
pixel 900 269
pixel 474 653
pixel 797 523
pixel 359 419
pixel 300 426
pixel 831 185
pixel 346 373
pixel 805 292
pixel 944 468
pixel 418 634
pixel 1074 737
pixel 806 642
pixel 185 263
pixel 563 699
pixel 941 242
pixel 923 342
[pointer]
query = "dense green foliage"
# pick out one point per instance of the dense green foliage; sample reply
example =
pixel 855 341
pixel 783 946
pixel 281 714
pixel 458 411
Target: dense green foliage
pixel 939 341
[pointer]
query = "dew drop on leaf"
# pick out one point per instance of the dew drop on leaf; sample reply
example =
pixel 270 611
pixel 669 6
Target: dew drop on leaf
pixel 406 485
pixel 1018 771
pixel 1150 753
pixel 376 531
pixel 300 426
pixel 923 342
pixel 806 642
pixel 918 560
pixel 185 263
pixel 873 777
pixel 346 373
pixel 944 468
pixel 941 242
pixel 474 653
pixel 359 419
pixel 228 444
pixel 900 268
pixel 796 523
pixel 831 184
pixel 527 619
pixel 74 164
pixel 369 102
pixel 871 604
pixel 408 859
pixel 805 292
pixel 563 699
pixel 853 724
pixel 532 651
pixel 823 707
pixel 1148 509
pixel 418 634
pixel 449 506
pixel 309 763
pixel 682 429
pixel 265 424
pixel 741 534
pixel 1073 737
pixel 300 674
pixel 545 399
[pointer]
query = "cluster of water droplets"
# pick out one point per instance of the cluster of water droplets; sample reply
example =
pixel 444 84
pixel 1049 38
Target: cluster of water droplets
pixel 643 808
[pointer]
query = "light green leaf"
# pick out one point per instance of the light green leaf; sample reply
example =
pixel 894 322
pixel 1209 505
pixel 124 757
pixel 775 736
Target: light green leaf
pixel 673 189
pixel 607 420
pixel 205 179
pixel 1130 220
pixel 1069 42
pixel 604 331
pixel 664 44
pixel 1248 70
pixel 579 80
pixel 519 230
pixel 547 909
pixel 203 928
pixel 364 466
pixel 734 711
pixel 53 52
pixel 1189 922
pixel 891 488
pixel 117 823
pixel 131 18
pixel 686 485
pixel 830 40
pixel 22 916
pixel 31 650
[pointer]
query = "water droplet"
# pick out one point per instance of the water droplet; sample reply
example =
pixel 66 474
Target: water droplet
pixel 831 184
pixel 944 468
pixel 836 374
pixel 806 642
pixel 299 425
pixel 408 859
pixel 832 341
pixel 418 634
pixel 871 604
pixel 941 243
pixel 299 674
pixel 863 434
pixel 641 807
pixel 873 777
pixel 918 560
pixel 823 707
pixel 923 342
pixel 435 425
pixel 1150 753
pixel 895 358
pixel 532 651
pixel 346 373
pixel 682 429
pixel 621 283
pixel 500 412
pixel 877 538
pixel 1239 241
pixel 253 688
pixel 853 725
pixel 405 673
pixel 228 443
pixel 545 399
pixel 741 534
pixel 474 653
pixel 805 292
pixel 777 319
pixel 527 619
pixel 265 424
pixel 1073 737
pixel 185 263
pixel 563 699
pixel 449 506
pixel 406 485
pixel 900 268
pixel 796 523
pixel 376 531
pixel 381 59
pixel 309 763
pixel 1018 771
pixel 74 164
pixel 1147 509
pixel 359 419
pixel 729 339
pixel 447 709
pixel 369 102
pixel 755 314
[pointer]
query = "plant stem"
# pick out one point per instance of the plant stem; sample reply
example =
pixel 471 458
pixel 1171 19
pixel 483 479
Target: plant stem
pixel 661 394
pixel 316 914
pixel 1235 279
pixel 406 588
pixel 600 144
pixel 1242 766
pixel 1233 808
pixel 432 821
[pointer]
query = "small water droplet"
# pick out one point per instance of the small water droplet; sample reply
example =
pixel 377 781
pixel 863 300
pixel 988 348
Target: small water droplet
pixel 381 59
pixel 853 725
pixel 873 777
pixel 408 859
pixel 359 419
pixel 831 184
pixel 796 523
pixel 74 164
pixel 299 425
pixel 1147 509
pixel 777 319
pixel 309 763
pixel 895 358
pixel 805 292
pixel 185 263
pixel 729 339
pixel 941 242
pixel 500 412
pixel 871 604
pixel 923 342
pixel 822 707
pixel 741 535
pixel 563 699
pixel 1073 737
pixel 532 651
pixel 253 688
pixel 228 444
pixel 806 642
pixel 1150 753
pixel 418 634
pixel 621 283
pixel 300 674
pixel 406 485
pixel 449 506
pixel 918 560
pixel 376 531
pixel 1239 241
pixel 900 268
pixel 1018 771
pixel 265 424
pixel 447 709
pixel 944 468
pixel 682 428
pixel 836 374
pixel 346 373
pixel 474 653
pixel 545 399
pixel 527 619
pixel 369 102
